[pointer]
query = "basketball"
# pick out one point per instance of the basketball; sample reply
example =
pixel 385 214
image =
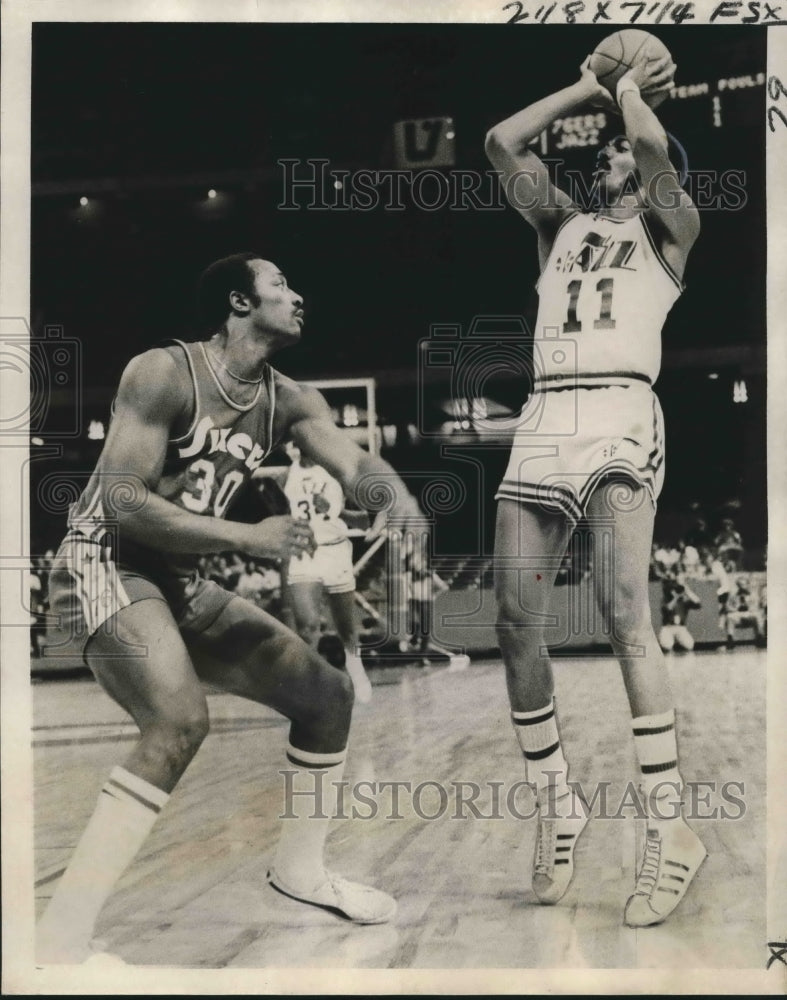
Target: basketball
pixel 617 53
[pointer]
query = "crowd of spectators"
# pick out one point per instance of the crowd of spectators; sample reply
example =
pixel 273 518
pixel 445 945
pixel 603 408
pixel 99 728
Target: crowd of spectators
pixel 38 601
pixel 698 555
pixel 717 559
pixel 258 580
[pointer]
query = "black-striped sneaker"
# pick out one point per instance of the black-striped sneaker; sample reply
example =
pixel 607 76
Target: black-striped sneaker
pixel 559 827
pixel 673 855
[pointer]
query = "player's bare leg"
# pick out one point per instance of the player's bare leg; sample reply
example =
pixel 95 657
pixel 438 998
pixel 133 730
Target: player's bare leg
pixel 273 666
pixel 621 517
pixel 304 599
pixel 529 544
pixel 159 689
pixel 346 622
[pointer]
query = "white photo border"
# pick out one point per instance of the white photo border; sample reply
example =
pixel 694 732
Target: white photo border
pixel 19 973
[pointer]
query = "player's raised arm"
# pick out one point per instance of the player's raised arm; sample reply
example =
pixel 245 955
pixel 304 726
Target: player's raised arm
pixel 151 397
pixel 278 473
pixel 361 475
pixel 524 177
pixel 670 209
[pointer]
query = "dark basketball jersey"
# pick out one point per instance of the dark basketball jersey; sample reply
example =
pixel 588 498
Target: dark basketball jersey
pixel 203 469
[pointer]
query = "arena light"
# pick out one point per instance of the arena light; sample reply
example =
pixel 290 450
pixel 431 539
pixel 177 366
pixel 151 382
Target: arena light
pixel 87 210
pixel 213 204
pixel 37 441
pixel 360 415
pixel 459 406
pixel 713 376
pixel 350 415
pixel 479 408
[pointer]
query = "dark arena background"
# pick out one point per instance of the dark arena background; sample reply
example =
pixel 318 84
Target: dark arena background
pixel 158 148
pixel 134 126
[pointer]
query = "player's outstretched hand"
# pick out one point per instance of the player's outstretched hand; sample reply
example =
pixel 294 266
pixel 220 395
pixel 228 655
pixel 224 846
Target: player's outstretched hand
pixel 407 524
pixel 652 76
pixel 597 95
pixel 405 516
pixel 280 537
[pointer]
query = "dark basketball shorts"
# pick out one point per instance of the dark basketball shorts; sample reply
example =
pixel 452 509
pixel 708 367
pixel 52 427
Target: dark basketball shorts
pixel 87 589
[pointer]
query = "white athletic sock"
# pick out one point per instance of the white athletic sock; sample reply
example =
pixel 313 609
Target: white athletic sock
pixel 357 673
pixel 308 812
pixel 540 742
pixel 127 808
pixel 657 753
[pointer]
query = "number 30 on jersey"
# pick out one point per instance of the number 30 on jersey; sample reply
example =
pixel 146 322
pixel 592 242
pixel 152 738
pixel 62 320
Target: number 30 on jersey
pixel 199 495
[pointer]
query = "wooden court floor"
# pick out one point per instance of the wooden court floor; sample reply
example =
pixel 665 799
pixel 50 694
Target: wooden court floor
pixel 196 895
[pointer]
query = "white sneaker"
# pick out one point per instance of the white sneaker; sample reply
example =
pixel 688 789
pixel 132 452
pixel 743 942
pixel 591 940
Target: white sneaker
pixel 673 855
pixel 553 862
pixel 104 960
pixel 351 900
pixel 93 954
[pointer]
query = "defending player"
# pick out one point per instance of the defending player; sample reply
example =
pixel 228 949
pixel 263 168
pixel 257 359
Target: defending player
pixel 191 423
pixel 316 497
pixel 590 442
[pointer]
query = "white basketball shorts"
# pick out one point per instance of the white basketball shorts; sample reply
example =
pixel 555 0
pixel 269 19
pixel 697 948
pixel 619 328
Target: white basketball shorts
pixel 570 437
pixel 331 565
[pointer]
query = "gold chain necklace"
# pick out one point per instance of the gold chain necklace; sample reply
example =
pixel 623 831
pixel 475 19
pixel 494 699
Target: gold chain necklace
pixel 239 378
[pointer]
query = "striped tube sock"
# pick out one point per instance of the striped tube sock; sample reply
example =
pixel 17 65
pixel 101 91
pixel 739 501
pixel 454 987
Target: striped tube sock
pixel 540 742
pixel 127 808
pixel 311 803
pixel 657 754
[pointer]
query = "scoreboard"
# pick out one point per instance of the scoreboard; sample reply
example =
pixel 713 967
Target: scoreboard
pixel 691 107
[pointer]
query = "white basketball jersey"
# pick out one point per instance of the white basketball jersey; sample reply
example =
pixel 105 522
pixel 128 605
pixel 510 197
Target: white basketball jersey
pixel 315 496
pixel 605 291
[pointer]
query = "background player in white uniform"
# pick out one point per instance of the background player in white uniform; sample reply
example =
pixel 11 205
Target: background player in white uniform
pixel 316 497
pixel 607 281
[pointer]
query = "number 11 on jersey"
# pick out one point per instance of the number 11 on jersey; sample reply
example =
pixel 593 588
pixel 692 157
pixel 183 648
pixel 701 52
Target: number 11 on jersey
pixel 605 321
